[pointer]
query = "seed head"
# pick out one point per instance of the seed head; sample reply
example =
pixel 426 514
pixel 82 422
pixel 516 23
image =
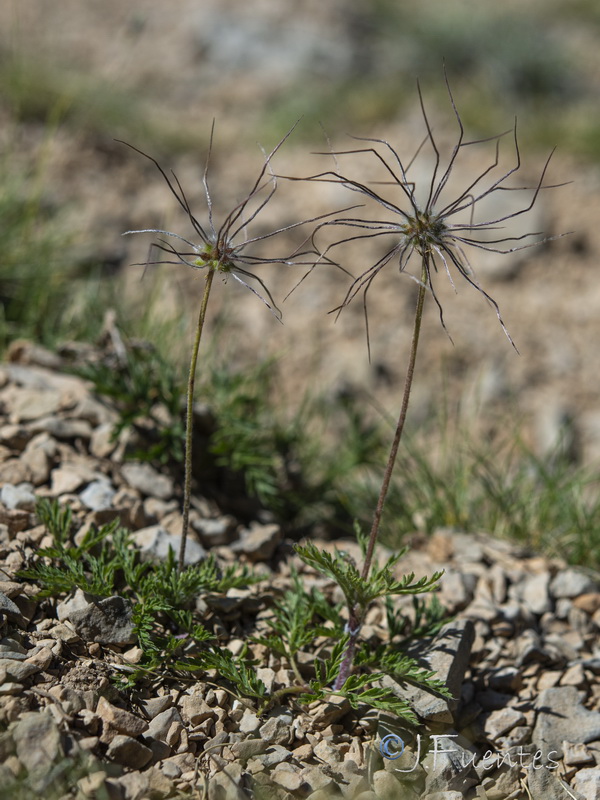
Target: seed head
pixel 438 231
pixel 230 248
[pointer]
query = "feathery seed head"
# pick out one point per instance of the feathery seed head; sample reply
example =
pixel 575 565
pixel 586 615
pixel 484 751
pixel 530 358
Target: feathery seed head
pixel 231 247
pixel 439 230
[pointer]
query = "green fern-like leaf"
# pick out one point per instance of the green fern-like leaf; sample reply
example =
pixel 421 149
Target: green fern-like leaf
pixel 238 670
pixel 361 591
pixel 295 620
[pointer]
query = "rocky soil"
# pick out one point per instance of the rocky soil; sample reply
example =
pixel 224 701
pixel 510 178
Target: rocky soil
pixel 522 656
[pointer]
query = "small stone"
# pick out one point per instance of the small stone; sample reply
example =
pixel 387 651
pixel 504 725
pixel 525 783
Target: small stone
pixel 571 583
pixel 574 676
pixel 454 592
pixel 327 752
pixel 131 786
pixel 20 670
pixel 63 428
pixel 71 700
pixel 288 779
pixel 78 602
pixel 357 784
pixel 14 471
pixel 10 645
pixel 14 520
pixel 506 679
pixel 169 769
pixel 576 754
pixel 587 783
pixel 147 480
pixel 504 784
pixel 516 737
pixel 534 593
pixel 386 786
pixel 155 705
pixel 67 479
pixel 24 404
pixel 119 720
pixel 109 621
pixel 501 721
pixel 156 509
pixel 128 752
pixel 273 755
pixel 278 728
pixel 20 496
pixel 451 650
pixel 560 717
pixel 544 785
pixel 267 676
pixel 42 657
pixel 134 655
pixel 91 784
pixel 160 726
pixel 94 412
pixel 11 611
pixel 38 457
pixel 449 764
pixel 530 649
pixel 9 688
pixel 590 602
pixel 176 736
pixel 448 658
pixel 63 633
pixel 215 532
pixel 316 778
pixel 548 679
pixel 98 495
pixel 561 647
pixel 38 745
pixel 221 784
pixel 103 442
pixel 330 712
pixel 155 542
pixel 15 437
pixel 195 709
pixel 249 723
pixel 249 748
pixel 258 542
pixel 11 588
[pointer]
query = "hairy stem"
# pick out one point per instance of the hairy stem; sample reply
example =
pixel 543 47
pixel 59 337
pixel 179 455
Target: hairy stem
pixel 281 693
pixel 387 476
pixel 295 669
pixel 189 420
pixel 356 614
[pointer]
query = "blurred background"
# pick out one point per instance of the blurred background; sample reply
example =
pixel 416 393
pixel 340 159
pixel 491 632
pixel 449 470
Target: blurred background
pixel 76 76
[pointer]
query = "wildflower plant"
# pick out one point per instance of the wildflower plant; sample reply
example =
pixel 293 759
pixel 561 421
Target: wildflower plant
pixel 418 222
pixel 229 249
pixel 435 232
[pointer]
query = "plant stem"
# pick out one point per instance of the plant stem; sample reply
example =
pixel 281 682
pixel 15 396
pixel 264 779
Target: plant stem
pixel 295 669
pixel 279 694
pixel 356 614
pixel 189 421
pixel 387 476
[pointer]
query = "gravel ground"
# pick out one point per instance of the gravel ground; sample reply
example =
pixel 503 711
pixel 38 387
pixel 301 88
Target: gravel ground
pixel 521 656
